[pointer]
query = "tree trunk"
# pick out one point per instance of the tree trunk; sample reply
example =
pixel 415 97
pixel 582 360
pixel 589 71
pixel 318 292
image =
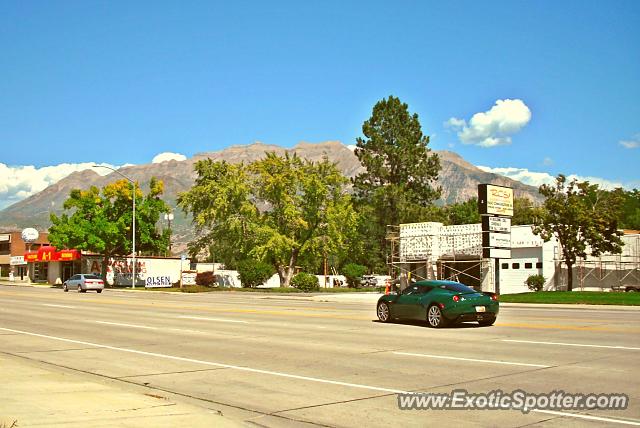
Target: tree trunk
pixel 290 269
pixel 104 266
pixel 569 276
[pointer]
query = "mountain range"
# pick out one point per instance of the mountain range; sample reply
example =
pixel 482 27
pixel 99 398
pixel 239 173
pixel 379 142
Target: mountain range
pixel 458 178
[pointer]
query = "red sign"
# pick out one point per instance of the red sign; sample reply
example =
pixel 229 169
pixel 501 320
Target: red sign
pixel 49 254
pixel 30 257
pixel 67 255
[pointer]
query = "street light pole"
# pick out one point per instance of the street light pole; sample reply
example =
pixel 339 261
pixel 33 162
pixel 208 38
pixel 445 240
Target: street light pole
pixel 133 191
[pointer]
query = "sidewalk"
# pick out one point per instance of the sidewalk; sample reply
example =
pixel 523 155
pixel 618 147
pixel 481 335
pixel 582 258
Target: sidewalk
pixel 36 394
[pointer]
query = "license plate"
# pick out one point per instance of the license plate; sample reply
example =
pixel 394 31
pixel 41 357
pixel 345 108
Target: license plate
pixel 481 309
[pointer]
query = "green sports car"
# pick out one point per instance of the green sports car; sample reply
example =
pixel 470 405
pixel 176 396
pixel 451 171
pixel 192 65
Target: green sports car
pixel 439 303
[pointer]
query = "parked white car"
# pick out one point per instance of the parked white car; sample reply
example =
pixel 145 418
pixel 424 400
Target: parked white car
pixel 83 282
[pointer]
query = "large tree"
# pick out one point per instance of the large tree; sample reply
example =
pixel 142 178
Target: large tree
pixel 278 209
pixel 101 221
pixel 400 169
pixel 582 217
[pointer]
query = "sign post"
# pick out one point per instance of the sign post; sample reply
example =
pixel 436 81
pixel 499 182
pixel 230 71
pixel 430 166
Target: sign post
pixel 495 204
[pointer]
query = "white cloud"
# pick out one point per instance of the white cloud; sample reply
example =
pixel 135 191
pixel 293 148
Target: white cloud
pixel 167 156
pixel 525 176
pixel 634 143
pixel 493 127
pixel 20 182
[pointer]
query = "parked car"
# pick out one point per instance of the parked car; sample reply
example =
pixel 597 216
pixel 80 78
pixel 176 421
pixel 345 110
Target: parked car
pixel 439 303
pixel 83 282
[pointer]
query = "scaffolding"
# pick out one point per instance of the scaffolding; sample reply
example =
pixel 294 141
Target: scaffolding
pixel 433 251
pixel 606 272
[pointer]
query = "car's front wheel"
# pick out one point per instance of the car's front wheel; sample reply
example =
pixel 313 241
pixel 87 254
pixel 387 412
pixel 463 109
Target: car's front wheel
pixel 79 288
pixel 384 314
pixel 65 288
pixel 99 291
pixel 435 317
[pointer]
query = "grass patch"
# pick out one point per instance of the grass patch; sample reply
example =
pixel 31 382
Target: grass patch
pixel 574 297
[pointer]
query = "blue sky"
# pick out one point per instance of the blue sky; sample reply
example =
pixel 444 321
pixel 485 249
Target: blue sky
pixel 554 85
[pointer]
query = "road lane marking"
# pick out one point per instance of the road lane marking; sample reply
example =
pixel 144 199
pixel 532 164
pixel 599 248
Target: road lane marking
pixel 571 344
pixel 181 330
pixel 213 364
pixel 559 327
pixel 475 360
pixel 211 319
pixel 127 325
pixel 58 306
pixel 589 417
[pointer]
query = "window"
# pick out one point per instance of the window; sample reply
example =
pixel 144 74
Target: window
pixel 528 265
pixel 505 266
pixel 5 248
pixel 515 265
pixel 539 265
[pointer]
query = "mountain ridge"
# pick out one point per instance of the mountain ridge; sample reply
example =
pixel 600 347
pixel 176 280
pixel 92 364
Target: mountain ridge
pixel 458 179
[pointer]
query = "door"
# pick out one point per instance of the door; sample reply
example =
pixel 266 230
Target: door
pixel 407 304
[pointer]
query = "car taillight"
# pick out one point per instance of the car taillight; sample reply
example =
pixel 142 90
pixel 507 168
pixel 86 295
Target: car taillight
pixel 456 298
pixel 494 297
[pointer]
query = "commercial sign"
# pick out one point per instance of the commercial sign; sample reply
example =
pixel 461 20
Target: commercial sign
pixel 500 240
pixel 17 261
pixel 496 200
pixel 30 235
pixel 496 224
pixel 496 253
pixel 49 254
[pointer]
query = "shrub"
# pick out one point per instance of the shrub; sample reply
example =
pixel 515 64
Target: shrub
pixel 353 273
pixel 206 279
pixel 305 282
pixel 535 282
pixel 254 272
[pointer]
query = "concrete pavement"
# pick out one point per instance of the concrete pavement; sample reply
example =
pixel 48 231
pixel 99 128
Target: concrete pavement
pixel 289 362
pixel 36 394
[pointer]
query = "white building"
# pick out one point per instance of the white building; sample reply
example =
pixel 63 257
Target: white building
pixel 432 250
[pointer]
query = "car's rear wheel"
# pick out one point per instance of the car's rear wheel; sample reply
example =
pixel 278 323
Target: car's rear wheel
pixel 435 317
pixel 487 322
pixel 65 288
pixel 99 291
pixel 384 314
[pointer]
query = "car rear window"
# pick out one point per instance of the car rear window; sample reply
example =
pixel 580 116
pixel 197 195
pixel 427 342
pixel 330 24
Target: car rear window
pixel 91 277
pixel 458 288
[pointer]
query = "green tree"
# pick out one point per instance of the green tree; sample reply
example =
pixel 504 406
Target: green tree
pixel 353 273
pixel 277 209
pixel 254 272
pixel 305 282
pixel 579 215
pixel 400 170
pixel 523 211
pixel 463 212
pixel 101 221
pixel 631 210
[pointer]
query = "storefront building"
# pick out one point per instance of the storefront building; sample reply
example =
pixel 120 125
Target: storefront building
pixel 52 266
pixel 13 266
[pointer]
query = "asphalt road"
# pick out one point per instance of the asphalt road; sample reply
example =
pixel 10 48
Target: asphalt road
pixel 282 361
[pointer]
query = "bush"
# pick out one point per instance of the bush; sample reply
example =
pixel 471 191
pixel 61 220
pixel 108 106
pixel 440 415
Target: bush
pixel 353 273
pixel 254 272
pixel 305 282
pixel 535 282
pixel 206 279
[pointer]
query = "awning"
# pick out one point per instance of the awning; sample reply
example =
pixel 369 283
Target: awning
pixel 49 254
